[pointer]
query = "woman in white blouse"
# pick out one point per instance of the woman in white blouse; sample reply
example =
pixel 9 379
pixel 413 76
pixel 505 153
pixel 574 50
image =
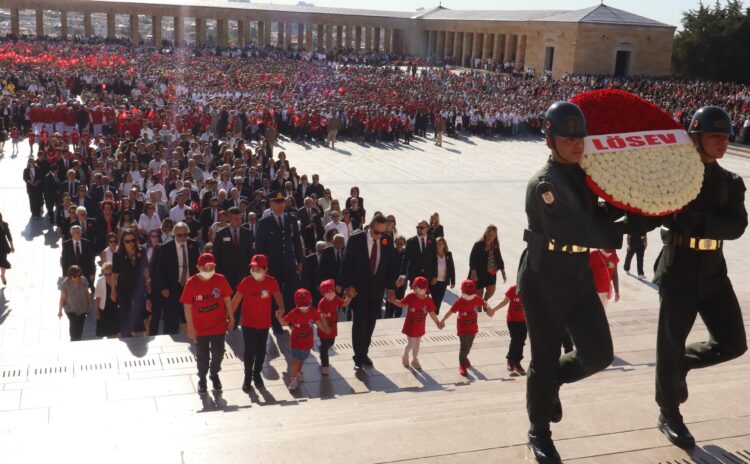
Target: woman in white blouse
pixel 149 220
pixel 446 273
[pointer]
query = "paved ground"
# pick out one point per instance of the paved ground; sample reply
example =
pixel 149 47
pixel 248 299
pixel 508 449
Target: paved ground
pixel 120 401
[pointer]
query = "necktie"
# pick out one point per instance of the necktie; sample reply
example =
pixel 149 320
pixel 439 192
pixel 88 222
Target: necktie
pixel 338 259
pixel 374 257
pixel 281 224
pixel 183 269
pixel 78 251
pixel 422 244
pixel 72 190
pixel 235 239
pixel 216 219
pixel 309 213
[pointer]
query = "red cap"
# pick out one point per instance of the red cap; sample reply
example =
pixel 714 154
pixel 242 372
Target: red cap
pixel 259 261
pixel 327 286
pixel 206 259
pixel 302 297
pixel 468 287
pixel 420 282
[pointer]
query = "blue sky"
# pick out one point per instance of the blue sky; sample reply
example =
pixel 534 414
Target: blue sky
pixel 666 11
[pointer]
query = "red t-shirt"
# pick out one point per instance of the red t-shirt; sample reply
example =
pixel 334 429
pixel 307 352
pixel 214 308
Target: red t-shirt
pixel 302 327
pixel 417 310
pixel 206 298
pixel 256 301
pixel 467 311
pixel 515 307
pixel 330 309
pixel 603 268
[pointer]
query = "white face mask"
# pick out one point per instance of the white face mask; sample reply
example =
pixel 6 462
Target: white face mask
pixel 330 296
pixel 420 292
pixel 258 275
pixel 303 308
pixel 468 297
pixel 205 275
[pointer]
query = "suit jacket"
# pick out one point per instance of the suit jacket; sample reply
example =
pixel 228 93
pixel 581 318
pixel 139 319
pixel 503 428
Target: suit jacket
pixel 283 254
pixel 316 189
pixel 355 271
pixel 450 269
pixel 51 187
pixel 233 261
pixel 98 193
pixel 309 276
pixel 164 272
pixel 328 267
pixel 207 220
pixel 309 225
pixel 85 261
pixel 417 262
pixel 65 187
pixel 251 229
pixel 62 169
pixel 90 232
pixel 228 203
pixel 38 176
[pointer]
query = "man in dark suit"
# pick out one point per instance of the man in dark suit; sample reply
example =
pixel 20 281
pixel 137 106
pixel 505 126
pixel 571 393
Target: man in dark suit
pixel 233 200
pixel 331 260
pixel 70 185
pixel 252 226
pixel 77 250
pixel 209 215
pixel 51 191
pixel 64 164
pixel 278 238
pixel 33 176
pixel 98 193
pixel 310 222
pixel 420 257
pixel 316 187
pixel 88 228
pixel 233 248
pixel 176 261
pixel 369 268
pixel 310 266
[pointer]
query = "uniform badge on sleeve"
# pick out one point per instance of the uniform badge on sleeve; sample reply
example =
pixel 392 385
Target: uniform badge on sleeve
pixel 548 198
pixel 544 189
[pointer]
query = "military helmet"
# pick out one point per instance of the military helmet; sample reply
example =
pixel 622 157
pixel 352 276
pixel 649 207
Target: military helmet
pixel 711 119
pixel 564 119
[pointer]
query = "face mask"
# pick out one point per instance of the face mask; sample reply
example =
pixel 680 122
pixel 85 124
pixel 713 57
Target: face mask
pixel 468 297
pixel 304 308
pixel 420 292
pixel 205 275
pixel 258 275
pixel 330 296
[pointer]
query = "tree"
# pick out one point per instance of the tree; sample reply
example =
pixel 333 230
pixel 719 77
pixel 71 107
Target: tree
pixel 713 43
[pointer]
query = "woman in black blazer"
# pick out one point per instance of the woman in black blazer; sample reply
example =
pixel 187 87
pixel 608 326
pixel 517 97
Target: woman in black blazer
pixel 485 261
pixel 6 246
pixel 446 273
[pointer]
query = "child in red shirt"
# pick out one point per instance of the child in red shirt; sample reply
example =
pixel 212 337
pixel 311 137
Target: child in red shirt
pixel 468 308
pixel 15 137
pixel 418 305
pixel 517 328
pixel 32 138
pixel 256 291
pixel 329 312
pixel 301 319
pixel 207 304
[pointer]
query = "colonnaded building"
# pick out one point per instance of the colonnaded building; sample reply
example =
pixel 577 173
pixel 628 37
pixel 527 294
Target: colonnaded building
pixel 595 40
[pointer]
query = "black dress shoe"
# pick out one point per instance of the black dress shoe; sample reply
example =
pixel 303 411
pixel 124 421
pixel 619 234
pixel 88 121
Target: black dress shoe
pixel 246 385
pixel 367 362
pixel 675 430
pixel 541 446
pixel 258 381
pixel 202 386
pixel 557 412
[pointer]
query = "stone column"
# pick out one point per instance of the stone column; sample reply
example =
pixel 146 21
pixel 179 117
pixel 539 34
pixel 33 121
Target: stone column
pixel 280 34
pixel 15 22
pixel 521 50
pixel 329 37
pixel 440 44
pixel 64 24
pixel 39 22
pixel 431 36
pixel 247 40
pixel 339 36
pixel 466 53
pixel 222 32
pixel 368 38
pixel 111 30
pixel 179 31
pixel 476 46
pixel 349 38
pixel 241 34
pixel 200 31
pixel 450 37
pixel 510 46
pixel 288 28
pixel 135 37
pixel 458 42
pixel 497 48
pixel 376 39
pixel 321 37
pixel 300 34
pixel 489 40
pixel 156 30
pixel 308 37
pixel 357 37
pixel 388 40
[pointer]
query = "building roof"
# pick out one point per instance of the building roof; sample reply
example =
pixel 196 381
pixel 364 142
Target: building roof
pixel 600 14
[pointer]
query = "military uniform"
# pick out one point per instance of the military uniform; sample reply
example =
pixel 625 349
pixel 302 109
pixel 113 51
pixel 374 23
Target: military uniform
pixel 692 277
pixel 556 284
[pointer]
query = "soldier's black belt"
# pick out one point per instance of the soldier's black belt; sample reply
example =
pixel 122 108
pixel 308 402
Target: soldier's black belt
pixel 552 246
pixel 697 243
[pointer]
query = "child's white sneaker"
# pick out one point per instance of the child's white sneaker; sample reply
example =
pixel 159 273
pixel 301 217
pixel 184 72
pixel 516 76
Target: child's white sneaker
pixel 324 370
pixel 293 385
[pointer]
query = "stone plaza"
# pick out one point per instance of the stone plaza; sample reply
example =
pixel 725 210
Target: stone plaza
pixel 122 401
